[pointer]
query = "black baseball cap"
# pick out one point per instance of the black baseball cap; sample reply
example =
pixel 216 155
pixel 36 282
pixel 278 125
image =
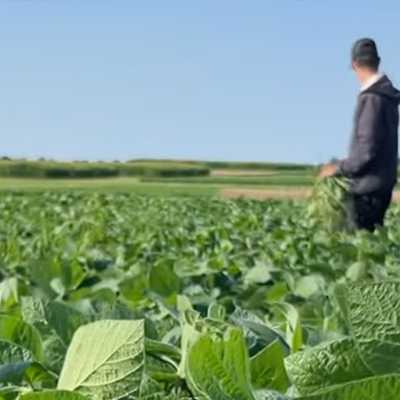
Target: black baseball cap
pixel 365 51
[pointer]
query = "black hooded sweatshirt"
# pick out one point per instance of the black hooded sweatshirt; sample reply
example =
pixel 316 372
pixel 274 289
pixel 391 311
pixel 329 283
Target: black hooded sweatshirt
pixel 373 158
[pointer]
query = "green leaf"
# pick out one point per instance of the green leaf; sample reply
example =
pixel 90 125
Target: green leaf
pixel 374 388
pixel 216 312
pixel 133 289
pixel 258 335
pixel 309 285
pixel 105 359
pixel 37 375
pixel 218 368
pixel 372 312
pixel 54 276
pixel 30 372
pixel 357 271
pixel 70 274
pixel 277 292
pixel 163 280
pixel 268 369
pixel 19 341
pixel 269 395
pixel 53 395
pixel 9 393
pixel 163 351
pixel 55 351
pixel 260 273
pixel 12 353
pixel 189 334
pixel 326 365
pixel 154 390
pixel 183 304
pixel 294 330
pixel 34 311
pixel 64 319
pixel 9 295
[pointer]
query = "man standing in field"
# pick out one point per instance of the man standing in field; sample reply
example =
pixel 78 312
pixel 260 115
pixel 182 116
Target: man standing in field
pixel 373 159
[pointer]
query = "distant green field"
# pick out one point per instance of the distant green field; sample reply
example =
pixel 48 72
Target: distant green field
pixel 126 185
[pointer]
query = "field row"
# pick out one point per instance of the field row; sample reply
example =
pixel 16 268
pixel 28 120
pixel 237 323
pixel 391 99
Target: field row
pixel 189 298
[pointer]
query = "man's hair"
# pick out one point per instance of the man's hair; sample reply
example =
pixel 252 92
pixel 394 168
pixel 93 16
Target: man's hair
pixel 365 54
pixel 369 63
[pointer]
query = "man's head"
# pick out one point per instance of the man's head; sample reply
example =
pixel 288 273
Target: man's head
pixel 365 58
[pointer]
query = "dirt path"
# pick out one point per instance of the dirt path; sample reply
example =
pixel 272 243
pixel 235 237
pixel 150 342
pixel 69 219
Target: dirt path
pixel 242 172
pixel 264 194
pixel 274 193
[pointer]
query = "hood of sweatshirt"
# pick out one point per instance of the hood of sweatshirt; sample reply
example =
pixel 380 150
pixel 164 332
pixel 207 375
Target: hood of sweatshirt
pixel 385 88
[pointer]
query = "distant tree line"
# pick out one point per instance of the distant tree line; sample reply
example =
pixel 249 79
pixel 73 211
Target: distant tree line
pixel 84 169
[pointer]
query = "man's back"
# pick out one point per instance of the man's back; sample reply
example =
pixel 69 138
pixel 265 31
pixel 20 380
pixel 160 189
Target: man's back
pixel 373 158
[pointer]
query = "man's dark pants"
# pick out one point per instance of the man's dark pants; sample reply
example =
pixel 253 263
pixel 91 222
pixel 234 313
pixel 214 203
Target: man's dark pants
pixel 367 211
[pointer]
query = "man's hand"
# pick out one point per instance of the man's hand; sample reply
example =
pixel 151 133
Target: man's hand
pixel 328 170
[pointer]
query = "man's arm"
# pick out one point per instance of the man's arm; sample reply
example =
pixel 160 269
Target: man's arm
pixel 368 138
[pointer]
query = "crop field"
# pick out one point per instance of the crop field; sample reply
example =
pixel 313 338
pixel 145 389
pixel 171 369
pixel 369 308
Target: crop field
pixel 125 296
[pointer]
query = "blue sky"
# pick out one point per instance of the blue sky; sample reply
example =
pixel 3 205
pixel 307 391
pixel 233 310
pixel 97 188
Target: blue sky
pixel 211 79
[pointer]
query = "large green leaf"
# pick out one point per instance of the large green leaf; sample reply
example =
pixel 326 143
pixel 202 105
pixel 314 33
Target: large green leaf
pixel 386 387
pixel 53 395
pixel 218 368
pixel 19 341
pixel 372 312
pixel 326 365
pixel 268 369
pixel 105 359
pixel 373 315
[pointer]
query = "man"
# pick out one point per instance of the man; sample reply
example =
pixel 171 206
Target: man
pixel 373 158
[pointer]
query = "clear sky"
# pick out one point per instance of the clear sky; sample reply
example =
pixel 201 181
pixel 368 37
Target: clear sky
pixel 211 79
